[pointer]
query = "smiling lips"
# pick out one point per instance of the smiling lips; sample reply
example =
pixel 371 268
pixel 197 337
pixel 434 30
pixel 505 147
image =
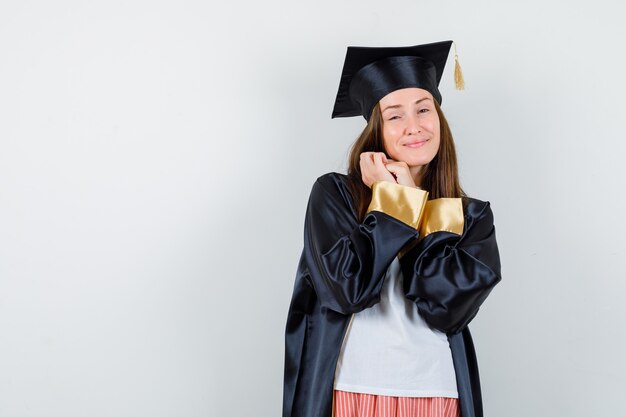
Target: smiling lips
pixel 416 143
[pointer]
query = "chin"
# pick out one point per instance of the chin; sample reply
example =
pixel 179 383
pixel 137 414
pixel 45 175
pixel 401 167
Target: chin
pixel 412 162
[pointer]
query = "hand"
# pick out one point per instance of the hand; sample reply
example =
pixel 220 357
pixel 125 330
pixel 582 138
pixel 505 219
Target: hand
pixel 373 168
pixel 400 170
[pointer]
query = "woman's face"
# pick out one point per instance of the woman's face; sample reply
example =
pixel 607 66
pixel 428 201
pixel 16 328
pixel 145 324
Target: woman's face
pixel 410 126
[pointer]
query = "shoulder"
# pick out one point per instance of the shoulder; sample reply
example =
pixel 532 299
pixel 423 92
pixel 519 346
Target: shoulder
pixel 332 179
pixel 333 183
pixel 475 209
pixel 333 187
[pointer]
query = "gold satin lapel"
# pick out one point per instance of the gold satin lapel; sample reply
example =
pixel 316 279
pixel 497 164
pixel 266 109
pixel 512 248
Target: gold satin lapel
pixel 399 201
pixel 442 214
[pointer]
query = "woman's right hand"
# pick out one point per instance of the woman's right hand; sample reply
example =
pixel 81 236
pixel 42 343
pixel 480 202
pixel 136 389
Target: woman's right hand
pixel 373 168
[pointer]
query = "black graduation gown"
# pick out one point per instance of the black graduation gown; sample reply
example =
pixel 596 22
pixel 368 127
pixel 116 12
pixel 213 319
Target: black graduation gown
pixel 341 272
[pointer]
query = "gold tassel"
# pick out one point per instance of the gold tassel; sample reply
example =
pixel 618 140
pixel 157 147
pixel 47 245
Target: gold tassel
pixel 459 82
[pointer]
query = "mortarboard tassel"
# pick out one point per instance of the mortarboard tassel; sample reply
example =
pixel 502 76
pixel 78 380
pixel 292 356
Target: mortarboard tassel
pixel 459 82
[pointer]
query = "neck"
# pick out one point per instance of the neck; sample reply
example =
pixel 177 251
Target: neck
pixel 417 173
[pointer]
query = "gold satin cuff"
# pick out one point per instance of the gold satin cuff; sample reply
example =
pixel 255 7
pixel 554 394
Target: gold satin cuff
pixel 399 201
pixel 442 214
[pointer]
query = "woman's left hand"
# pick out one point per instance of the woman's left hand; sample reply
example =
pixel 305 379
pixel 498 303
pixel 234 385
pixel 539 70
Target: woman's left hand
pixel 401 172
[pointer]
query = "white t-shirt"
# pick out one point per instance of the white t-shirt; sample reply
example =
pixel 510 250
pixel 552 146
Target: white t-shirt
pixel 389 349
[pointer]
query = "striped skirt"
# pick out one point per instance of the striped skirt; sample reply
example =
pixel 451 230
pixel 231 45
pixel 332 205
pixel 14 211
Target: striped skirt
pixel 356 404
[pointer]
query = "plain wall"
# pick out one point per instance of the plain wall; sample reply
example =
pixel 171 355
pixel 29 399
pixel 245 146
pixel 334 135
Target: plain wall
pixel 155 163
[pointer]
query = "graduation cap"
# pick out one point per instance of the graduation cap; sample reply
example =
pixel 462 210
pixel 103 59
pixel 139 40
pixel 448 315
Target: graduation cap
pixel 370 73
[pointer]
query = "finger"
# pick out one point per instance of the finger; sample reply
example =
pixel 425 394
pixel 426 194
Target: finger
pixel 368 159
pixel 367 169
pixel 397 166
pixel 378 160
pixel 367 165
pixel 391 165
pixel 383 168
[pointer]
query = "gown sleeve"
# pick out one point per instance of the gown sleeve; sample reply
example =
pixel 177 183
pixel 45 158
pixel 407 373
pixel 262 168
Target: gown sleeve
pixel 347 260
pixel 449 273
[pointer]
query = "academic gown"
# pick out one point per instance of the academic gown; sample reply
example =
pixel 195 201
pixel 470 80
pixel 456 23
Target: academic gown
pixel 450 264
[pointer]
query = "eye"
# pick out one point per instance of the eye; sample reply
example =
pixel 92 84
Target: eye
pixel 423 110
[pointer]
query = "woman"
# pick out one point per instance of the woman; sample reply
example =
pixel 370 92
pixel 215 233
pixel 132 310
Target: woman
pixel 397 259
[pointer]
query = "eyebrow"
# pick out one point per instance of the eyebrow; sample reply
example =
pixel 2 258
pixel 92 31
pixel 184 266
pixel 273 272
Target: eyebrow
pixel 400 105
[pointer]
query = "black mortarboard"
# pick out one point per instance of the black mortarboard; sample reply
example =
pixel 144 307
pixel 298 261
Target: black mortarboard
pixel 370 73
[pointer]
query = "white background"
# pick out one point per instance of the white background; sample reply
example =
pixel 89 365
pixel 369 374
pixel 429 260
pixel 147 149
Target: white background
pixel 155 163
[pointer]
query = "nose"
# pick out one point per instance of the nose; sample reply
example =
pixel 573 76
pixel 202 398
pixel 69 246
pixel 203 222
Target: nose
pixel 413 125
